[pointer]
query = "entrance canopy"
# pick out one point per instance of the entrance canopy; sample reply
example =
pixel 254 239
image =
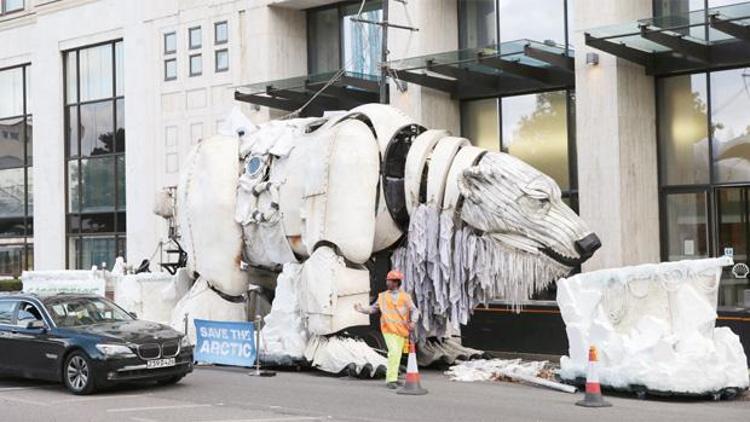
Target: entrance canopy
pixel 513 67
pixel 350 90
pixel 701 40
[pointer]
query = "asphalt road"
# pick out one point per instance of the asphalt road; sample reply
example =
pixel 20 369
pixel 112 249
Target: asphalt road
pixel 229 395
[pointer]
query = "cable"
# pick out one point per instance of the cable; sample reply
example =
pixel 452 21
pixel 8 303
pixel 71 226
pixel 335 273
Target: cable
pixel 336 76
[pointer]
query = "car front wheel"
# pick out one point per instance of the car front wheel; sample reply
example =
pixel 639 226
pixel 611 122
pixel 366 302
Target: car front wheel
pixel 78 373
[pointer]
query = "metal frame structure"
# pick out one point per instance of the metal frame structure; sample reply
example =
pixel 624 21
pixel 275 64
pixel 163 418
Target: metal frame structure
pixel 350 90
pixel 710 39
pixel 512 68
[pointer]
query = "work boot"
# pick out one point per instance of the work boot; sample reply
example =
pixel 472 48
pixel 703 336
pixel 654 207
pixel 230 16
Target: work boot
pixel 392 385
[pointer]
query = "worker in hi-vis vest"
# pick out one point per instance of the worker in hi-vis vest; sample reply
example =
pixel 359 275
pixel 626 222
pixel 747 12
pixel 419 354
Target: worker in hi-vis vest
pixel 397 318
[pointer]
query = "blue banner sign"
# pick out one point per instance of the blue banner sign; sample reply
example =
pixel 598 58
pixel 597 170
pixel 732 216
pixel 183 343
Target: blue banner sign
pixel 225 343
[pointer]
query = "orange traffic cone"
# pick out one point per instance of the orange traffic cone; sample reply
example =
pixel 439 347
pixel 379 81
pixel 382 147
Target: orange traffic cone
pixel 412 385
pixel 593 396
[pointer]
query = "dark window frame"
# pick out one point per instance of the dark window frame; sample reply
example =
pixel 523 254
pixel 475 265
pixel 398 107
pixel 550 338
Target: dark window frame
pixel 216 60
pixel 24 239
pixel 166 75
pixel 119 214
pixel 164 42
pixel 217 41
pixel 190 38
pixel 339 7
pixel 190 65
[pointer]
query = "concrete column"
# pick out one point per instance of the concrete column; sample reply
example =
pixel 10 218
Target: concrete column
pixel 141 166
pixel 437 21
pixel 49 154
pixel 616 142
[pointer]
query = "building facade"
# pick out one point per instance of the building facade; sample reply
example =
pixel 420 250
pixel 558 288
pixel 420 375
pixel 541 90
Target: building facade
pixel 638 109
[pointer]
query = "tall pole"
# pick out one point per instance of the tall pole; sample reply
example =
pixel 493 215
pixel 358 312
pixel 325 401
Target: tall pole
pixel 384 56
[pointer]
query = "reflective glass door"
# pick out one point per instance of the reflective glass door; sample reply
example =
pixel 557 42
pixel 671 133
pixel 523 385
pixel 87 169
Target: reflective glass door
pixel 733 208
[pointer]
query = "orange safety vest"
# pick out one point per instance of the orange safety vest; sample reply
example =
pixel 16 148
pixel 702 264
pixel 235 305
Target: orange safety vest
pixel 394 317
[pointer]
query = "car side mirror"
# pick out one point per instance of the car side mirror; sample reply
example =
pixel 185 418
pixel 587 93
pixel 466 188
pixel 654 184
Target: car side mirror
pixel 133 314
pixel 36 325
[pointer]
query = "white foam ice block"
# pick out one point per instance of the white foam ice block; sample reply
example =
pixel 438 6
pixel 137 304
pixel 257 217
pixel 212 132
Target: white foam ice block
pixel 654 326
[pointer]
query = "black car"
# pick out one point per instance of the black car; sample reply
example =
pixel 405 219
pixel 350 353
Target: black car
pixel 87 342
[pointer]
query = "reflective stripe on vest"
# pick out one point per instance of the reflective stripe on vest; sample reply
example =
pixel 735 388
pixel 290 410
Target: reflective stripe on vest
pixel 394 317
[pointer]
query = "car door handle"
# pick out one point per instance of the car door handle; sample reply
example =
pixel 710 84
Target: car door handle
pixel 14 331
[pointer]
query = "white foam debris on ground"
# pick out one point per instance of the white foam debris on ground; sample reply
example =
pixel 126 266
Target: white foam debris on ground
pixel 498 370
pixel 654 326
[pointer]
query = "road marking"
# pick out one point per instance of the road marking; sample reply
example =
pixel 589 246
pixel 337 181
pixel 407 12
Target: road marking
pixel 17 388
pixel 148 408
pixel 134 419
pixel 111 396
pixel 290 419
pixel 25 401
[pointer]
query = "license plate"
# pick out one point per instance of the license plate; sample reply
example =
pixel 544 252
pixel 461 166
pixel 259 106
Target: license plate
pixel 160 363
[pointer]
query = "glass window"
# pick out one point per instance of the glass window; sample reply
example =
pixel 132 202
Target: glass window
pixel 362 43
pixel 99 251
pixel 221 32
pixel 97 128
pixel 71 119
pixel 120 125
pixel 196 65
pixel 683 129
pixel 95 132
pixel 120 184
pixel 686 226
pixel 477 23
pixel 535 129
pixel 11 87
pixel 95 72
pixel 194 37
pixel 221 58
pixel 323 40
pixel 12 143
pixel 16 205
pixel 170 69
pixel 170 42
pixel 97 185
pixel 26 313
pixel 6 306
pixel 12 192
pixel 734 233
pixel 71 73
pixel 730 124
pixel 548 17
pixel 12 5
pixel 119 70
pixel 480 123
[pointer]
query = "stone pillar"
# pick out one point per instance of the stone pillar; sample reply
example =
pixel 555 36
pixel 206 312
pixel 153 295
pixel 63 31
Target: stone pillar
pixel 616 142
pixel 49 155
pixel 437 21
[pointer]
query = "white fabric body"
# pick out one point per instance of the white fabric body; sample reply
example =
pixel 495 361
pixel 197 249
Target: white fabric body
pixel 328 292
pixel 284 336
pixel 653 326
pixel 206 199
pixel 307 191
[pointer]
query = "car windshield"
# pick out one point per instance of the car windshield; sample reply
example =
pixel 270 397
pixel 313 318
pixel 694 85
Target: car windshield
pixel 78 311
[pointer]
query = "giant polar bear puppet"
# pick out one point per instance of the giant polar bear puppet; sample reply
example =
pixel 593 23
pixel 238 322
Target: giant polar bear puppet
pixel 312 199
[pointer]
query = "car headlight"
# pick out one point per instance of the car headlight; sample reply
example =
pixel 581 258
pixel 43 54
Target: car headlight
pixel 115 350
pixel 185 342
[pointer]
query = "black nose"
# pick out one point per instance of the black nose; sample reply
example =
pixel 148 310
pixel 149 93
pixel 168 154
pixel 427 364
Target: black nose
pixel 588 245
